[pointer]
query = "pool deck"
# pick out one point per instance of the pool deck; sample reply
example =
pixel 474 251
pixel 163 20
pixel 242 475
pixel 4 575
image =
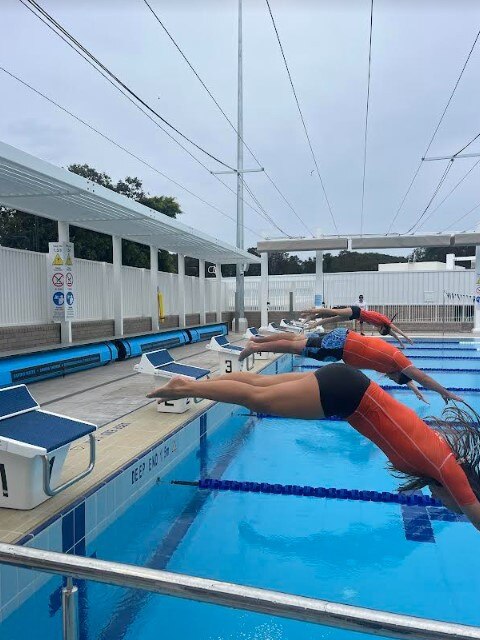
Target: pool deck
pixel 113 398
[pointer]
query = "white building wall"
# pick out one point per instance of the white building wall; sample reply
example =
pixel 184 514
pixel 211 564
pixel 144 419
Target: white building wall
pixel 378 288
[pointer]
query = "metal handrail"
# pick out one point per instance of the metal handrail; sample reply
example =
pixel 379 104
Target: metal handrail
pixel 47 477
pixel 227 594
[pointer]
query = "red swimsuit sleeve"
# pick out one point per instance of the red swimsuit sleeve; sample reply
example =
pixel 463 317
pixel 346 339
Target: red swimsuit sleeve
pixel 454 479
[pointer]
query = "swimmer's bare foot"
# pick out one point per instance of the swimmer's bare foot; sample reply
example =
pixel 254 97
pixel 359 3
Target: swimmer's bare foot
pixel 249 348
pixel 175 389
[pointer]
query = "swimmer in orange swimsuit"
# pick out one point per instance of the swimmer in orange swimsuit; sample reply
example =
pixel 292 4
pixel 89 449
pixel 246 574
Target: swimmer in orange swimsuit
pixel 384 325
pixel 446 459
pixel 354 349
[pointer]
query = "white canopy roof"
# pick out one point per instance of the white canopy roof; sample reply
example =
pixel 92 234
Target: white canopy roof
pixel 35 186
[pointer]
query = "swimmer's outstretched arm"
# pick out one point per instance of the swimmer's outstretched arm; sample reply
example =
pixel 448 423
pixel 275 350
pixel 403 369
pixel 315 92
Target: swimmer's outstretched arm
pixel 411 385
pixel 400 332
pixel 429 383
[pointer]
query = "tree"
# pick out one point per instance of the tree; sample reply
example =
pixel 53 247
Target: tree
pixel 433 254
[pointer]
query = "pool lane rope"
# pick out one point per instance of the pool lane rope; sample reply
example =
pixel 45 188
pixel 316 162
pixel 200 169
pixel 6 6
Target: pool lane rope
pixel 214 484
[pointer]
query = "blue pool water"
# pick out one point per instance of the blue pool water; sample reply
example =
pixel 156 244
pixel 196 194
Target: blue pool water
pixel 403 559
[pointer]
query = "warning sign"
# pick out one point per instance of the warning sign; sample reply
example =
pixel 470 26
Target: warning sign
pixel 62 292
pixel 57 280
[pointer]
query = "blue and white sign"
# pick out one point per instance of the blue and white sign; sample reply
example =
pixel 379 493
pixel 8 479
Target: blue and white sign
pixel 58 298
pixel 61 281
pixel 318 300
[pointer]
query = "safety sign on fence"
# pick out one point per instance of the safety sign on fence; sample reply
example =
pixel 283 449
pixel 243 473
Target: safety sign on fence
pixel 61 274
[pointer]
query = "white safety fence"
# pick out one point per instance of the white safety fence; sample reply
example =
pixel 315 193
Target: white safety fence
pixel 24 290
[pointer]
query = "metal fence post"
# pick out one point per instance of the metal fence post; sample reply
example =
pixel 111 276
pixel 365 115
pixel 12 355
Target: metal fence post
pixel 70 611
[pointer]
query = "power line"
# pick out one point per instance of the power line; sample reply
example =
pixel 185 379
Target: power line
pixel 455 187
pixel 265 213
pixel 106 70
pixel 177 46
pixel 301 115
pixel 366 116
pixel 461 217
pixel 414 177
pixel 123 92
pixel 120 146
pixel 436 190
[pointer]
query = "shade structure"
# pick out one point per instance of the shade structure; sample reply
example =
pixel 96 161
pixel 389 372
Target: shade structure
pixel 369 242
pixel 38 187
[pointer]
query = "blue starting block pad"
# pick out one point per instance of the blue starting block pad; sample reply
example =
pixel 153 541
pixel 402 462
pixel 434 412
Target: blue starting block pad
pixel 33 448
pixel 161 363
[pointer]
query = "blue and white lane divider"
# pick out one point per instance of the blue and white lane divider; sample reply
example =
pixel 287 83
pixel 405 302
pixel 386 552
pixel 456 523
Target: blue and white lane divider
pixel 215 484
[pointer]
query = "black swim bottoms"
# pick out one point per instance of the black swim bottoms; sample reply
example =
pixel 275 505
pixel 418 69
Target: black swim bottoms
pixel 355 313
pixel 341 389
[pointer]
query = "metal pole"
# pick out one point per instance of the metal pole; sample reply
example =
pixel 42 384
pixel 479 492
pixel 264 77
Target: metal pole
pixel 240 279
pixel 70 611
pixel 237 596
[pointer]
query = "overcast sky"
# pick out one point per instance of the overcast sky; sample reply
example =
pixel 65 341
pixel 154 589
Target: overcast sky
pixel 418 50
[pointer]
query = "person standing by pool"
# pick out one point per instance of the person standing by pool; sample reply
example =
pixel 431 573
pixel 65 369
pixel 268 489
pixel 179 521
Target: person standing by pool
pixel 364 307
pixel 384 325
pixel 354 349
pixel 446 459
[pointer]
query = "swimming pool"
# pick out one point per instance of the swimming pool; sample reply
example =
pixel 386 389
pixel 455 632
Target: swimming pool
pixel 399 558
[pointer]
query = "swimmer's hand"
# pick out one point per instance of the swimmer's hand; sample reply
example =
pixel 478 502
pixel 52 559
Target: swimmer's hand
pixel 451 396
pixel 420 396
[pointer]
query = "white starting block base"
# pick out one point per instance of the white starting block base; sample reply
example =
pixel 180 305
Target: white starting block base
pixel 263 355
pixel 229 363
pixel 175 406
pixel 25 478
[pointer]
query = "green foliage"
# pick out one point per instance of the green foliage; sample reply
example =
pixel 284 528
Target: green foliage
pixel 433 254
pixel 22 230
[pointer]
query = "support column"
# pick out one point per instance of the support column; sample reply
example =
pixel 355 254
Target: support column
pixel 319 288
pixel 181 290
pixel 201 282
pixel 65 327
pixel 154 287
pixel 117 286
pixel 476 284
pixel 218 296
pixel 263 302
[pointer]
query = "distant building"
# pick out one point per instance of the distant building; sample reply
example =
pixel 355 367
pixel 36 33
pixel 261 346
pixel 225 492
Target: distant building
pixel 449 265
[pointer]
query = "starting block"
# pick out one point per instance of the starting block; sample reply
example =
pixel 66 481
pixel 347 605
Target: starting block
pixel 33 448
pixel 228 355
pixel 160 363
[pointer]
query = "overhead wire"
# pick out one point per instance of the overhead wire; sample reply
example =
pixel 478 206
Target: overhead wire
pixel 121 147
pixel 219 107
pixel 366 117
pixel 114 77
pixel 417 170
pixel 461 217
pixel 301 115
pixel 48 23
pixel 421 220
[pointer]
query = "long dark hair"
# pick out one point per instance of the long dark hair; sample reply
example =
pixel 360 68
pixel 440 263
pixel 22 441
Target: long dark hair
pixel 461 430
